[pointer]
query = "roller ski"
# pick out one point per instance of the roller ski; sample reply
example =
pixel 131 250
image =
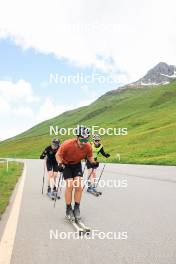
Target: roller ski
pixel 78 220
pixel 71 219
pixel 85 228
pixel 94 188
pixel 93 191
pixel 100 193
pixel 73 216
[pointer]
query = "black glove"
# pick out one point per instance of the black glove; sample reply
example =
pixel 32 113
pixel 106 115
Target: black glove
pixel 41 157
pixel 107 155
pixel 95 164
pixel 60 168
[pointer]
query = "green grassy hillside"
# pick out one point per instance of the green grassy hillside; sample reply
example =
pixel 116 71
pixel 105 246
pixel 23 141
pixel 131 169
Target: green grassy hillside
pixel 148 113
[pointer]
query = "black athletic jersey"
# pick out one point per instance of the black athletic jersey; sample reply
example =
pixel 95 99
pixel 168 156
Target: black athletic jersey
pixel 50 153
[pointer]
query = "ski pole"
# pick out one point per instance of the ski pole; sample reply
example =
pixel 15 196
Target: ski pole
pixel 43 183
pixel 84 168
pixel 59 184
pixel 88 178
pixel 100 175
pixel 60 179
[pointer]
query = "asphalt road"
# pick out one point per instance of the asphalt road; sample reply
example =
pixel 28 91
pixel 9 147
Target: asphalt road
pixel 142 212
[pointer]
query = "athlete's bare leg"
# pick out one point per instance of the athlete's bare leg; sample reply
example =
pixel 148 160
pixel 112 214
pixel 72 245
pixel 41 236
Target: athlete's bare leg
pixel 93 175
pixel 78 189
pixel 55 173
pixel 68 191
pixel 51 179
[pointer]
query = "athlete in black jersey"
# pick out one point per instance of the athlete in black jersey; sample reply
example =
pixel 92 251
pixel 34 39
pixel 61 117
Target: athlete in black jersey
pixel 51 164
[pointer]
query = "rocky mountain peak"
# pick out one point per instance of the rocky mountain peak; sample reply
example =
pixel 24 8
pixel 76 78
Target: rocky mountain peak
pixel 162 73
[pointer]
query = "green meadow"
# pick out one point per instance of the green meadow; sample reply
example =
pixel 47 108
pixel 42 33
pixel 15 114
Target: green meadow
pixel 148 113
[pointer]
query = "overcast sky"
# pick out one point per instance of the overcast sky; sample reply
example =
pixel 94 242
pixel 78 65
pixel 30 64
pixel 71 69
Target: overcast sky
pixel 116 38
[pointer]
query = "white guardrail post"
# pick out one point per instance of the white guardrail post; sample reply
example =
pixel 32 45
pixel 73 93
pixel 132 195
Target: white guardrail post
pixel 7 165
pixel 118 156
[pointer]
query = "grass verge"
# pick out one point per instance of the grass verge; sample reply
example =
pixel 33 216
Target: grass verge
pixel 8 180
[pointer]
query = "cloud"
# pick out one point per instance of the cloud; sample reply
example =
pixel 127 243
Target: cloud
pixel 4 107
pixel 128 35
pixel 20 90
pixel 16 107
pixel 16 99
pixel 25 111
pixel 20 109
pixel 49 109
pixel 89 92
pixel 10 131
pixel 84 103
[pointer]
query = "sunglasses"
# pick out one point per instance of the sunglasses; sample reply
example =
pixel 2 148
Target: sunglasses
pixel 97 141
pixel 84 140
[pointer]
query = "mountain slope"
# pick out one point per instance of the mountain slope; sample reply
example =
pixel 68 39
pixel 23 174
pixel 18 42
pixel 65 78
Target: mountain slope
pixel 148 113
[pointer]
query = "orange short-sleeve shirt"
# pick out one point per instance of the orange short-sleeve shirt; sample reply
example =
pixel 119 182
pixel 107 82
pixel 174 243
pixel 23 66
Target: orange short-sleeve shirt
pixel 71 153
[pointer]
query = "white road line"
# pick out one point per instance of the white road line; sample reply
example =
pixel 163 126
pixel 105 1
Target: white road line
pixel 8 237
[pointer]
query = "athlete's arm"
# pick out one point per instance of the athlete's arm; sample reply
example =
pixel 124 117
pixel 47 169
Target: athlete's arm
pixel 103 153
pixel 91 159
pixel 59 155
pixel 90 156
pixel 43 155
pixel 59 159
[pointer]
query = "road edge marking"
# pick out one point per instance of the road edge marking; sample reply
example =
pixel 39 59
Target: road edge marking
pixel 8 237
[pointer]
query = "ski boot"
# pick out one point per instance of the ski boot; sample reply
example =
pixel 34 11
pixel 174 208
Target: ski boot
pixel 76 213
pixel 54 192
pixel 70 215
pixel 49 189
pixel 94 189
pixel 89 188
pixel 50 193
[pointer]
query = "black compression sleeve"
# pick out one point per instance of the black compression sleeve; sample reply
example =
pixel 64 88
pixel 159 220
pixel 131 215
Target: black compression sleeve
pixel 43 155
pixel 102 152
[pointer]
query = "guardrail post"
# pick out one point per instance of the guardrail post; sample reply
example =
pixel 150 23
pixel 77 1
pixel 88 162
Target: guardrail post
pixel 7 165
pixel 118 156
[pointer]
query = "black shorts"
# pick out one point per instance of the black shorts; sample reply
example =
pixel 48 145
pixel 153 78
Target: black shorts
pixel 52 165
pixel 90 166
pixel 72 171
